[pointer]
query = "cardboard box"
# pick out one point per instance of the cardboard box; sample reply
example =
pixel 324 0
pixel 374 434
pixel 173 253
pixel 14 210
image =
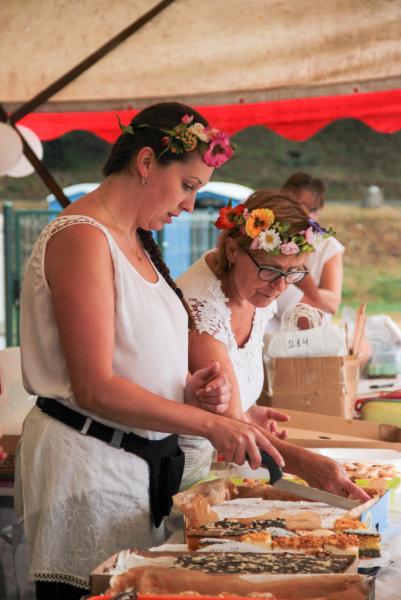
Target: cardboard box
pixel 325 385
pixel 324 431
pixel 99 578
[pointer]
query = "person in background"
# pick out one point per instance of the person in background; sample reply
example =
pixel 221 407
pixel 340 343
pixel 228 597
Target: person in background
pixel 322 288
pixel 104 345
pixel 232 291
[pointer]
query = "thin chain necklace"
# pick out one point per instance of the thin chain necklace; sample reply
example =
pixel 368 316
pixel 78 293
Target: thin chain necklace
pixel 136 250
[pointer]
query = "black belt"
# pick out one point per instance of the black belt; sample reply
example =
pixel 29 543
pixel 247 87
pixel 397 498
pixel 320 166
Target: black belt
pixel 164 457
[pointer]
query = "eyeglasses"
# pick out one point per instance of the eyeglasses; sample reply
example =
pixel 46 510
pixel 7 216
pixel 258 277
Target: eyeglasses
pixel 271 274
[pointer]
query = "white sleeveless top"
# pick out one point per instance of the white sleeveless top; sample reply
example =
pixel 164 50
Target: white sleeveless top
pixel 202 289
pixel 151 330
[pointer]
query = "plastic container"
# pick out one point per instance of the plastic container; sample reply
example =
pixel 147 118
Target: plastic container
pixel 385 364
pixel 382 410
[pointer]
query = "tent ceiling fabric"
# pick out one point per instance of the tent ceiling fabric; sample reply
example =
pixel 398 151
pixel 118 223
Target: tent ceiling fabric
pixel 202 51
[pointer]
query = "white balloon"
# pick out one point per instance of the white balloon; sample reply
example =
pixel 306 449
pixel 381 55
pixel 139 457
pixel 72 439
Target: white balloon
pixel 23 166
pixel 10 148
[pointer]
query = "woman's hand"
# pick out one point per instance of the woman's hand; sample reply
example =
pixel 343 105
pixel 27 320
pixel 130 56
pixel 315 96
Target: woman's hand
pixel 209 388
pixel 239 441
pixel 266 417
pixel 324 473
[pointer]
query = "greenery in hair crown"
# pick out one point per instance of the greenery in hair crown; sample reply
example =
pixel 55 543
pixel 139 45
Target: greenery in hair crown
pixel 268 234
pixel 215 146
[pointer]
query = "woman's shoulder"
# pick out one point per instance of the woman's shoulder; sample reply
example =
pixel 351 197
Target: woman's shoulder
pixel 326 249
pixel 334 245
pixel 70 227
pixel 203 291
pixel 199 280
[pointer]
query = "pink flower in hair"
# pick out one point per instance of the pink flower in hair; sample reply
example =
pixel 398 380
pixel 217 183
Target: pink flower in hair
pixel 219 150
pixel 309 235
pixel 212 132
pixel 256 244
pixel 187 119
pixel 289 248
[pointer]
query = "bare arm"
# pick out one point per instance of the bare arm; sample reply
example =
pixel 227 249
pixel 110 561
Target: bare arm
pixel 204 349
pixel 319 471
pixel 79 271
pixel 326 296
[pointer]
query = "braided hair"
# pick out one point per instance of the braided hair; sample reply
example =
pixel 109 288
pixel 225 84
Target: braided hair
pixel 164 115
pixel 150 245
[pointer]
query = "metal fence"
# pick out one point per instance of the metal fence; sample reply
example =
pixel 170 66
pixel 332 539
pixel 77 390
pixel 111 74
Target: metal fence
pixel 181 243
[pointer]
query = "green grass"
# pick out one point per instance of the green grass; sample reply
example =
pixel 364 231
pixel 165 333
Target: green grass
pixel 374 308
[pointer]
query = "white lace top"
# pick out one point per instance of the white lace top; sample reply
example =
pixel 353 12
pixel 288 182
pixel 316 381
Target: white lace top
pixel 212 315
pixel 81 499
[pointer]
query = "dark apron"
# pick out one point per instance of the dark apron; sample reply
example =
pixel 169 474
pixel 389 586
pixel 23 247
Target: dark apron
pixel 164 457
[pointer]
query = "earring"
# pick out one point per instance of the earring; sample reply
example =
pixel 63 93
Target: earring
pixel 144 181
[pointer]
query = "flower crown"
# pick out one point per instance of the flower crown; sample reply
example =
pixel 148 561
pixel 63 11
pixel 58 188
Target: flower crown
pixel 268 234
pixel 214 145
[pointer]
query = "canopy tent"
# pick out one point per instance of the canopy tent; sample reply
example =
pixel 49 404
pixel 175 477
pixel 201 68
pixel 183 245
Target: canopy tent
pixel 208 52
pixel 238 58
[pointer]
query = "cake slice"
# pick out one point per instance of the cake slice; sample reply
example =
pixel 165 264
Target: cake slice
pixel 368 542
pixel 236 529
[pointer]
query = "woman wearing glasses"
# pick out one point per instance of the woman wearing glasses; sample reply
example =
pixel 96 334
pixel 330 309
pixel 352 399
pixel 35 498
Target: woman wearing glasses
pixel 232 292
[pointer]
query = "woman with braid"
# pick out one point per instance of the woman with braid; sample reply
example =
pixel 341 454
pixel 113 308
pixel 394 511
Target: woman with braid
pixel 104 341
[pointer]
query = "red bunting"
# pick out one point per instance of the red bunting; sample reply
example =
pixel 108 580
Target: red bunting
pixel 297 119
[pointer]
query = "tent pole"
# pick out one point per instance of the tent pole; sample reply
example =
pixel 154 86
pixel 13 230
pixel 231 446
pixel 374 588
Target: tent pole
pixel 38 165
pixel 60 83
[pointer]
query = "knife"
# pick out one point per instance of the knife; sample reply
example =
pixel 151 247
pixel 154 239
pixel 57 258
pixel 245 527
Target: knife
pixel 310 493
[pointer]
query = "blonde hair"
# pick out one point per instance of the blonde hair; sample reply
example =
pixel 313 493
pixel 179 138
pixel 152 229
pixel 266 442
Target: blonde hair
pixel 286 210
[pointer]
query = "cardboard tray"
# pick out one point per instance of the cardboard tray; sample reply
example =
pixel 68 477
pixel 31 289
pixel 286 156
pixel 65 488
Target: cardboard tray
pixel 316 430
pixel 369 596
pixel 99 577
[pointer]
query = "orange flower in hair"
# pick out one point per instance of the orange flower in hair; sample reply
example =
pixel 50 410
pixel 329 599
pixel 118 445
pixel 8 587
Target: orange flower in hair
pixel 259 220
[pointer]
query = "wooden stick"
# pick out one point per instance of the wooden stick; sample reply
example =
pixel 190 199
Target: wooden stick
pixel 356 331
pixel 347 341
pixel 360 336
pixel 360 321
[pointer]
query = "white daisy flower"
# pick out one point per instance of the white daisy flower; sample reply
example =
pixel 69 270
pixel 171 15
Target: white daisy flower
pixel 270 239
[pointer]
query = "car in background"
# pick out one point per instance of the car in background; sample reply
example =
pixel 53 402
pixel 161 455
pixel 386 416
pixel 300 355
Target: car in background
pixel 73 192
pixel 190 234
